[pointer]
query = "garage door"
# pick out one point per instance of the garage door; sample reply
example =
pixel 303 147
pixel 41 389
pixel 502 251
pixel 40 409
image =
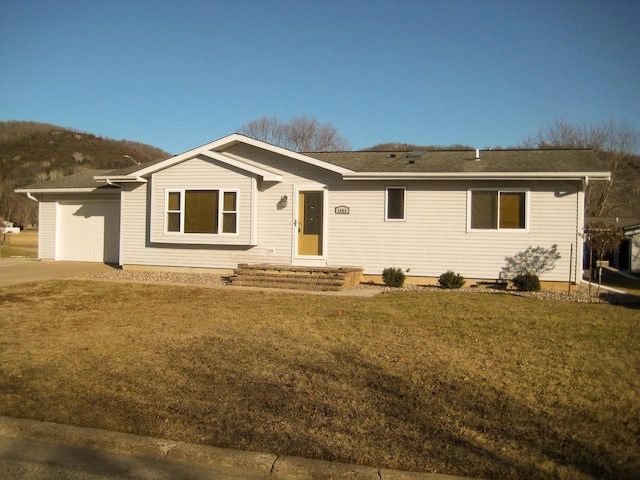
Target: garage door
pixel 90 232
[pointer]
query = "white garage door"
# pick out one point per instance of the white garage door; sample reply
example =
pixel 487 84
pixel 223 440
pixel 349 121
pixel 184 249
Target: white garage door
pixel 90 232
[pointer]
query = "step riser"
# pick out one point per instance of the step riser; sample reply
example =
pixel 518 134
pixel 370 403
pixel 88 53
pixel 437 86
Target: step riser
pixel 289 286
pixel 296 278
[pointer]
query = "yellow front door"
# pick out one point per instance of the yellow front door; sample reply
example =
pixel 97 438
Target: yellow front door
pixel 310 223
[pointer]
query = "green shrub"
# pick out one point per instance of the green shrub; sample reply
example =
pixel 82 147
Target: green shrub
pixel 393 277
pixel 451 280
pixel 527 282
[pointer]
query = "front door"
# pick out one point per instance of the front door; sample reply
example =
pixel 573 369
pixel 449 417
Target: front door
pixel 310 222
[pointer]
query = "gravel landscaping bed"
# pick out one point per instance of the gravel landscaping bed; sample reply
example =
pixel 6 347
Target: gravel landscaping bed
pixel 578 293
pixel 163 277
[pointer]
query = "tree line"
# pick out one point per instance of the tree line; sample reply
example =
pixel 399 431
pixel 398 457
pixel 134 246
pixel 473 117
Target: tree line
pixel 616 143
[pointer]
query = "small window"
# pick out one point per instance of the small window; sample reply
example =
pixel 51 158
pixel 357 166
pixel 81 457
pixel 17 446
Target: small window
pixel 173 212
pixel 395 207
pixel 484 209
pixel 202 212
pixel 230 212
pixel 496 210
pixel 512 209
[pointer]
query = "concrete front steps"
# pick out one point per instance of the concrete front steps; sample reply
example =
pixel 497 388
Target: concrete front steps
pixel 296 278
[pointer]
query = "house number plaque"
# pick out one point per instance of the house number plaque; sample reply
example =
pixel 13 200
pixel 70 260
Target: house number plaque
pixel 342 210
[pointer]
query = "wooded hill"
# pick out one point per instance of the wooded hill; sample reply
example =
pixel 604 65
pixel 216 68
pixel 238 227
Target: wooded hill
pixel 32 152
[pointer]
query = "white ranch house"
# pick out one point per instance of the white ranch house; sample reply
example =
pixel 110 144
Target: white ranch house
pixel 238 200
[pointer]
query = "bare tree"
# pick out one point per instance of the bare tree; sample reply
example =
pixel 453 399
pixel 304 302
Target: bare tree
pixel 8 200
pixel 602 239
pixel 55 175
pixel 301 134
pixel 41 177
pixel 26 212
pixel 615 142
pixel 270 130
pixel 79 157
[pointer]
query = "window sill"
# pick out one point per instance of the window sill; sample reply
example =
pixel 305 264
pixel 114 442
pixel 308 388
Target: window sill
pixel 202 239
pixel 497 230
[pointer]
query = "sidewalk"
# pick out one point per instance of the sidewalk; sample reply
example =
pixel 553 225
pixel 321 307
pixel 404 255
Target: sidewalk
pixel 30 449
pixel 14 271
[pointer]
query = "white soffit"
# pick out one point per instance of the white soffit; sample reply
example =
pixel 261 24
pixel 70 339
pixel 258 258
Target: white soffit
pixel 477 176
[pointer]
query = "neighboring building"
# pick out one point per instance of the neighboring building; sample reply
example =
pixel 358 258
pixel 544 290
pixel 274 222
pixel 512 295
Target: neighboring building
pixel 239 200
pixel 7 227
pixel 627 257
pixel 631 247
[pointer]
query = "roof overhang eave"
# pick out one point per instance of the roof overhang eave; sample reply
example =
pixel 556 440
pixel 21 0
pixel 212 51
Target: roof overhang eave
pixel 565 176
pixel 36 191
pixel 110 179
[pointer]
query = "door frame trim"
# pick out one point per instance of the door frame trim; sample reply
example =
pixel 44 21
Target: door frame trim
pixel 309 260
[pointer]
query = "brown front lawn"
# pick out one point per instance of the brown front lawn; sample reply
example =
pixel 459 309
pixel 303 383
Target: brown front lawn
pixel 483 385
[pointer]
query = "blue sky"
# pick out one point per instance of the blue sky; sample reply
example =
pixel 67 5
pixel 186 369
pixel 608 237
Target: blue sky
pixel 178 74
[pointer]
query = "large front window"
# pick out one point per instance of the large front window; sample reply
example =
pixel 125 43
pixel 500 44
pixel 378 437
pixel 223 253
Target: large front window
pixel 202 211
pixel 492 210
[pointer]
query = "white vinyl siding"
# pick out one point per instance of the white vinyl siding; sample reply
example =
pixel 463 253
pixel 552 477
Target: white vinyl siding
pixel 47 229
pixel 262 217
pixel 133 236
pixel 204 175
pixel 434 238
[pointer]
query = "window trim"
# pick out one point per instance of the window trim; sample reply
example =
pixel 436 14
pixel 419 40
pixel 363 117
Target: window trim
pixel 498 191
pixel 404 203
pixel 221 211
pixel 168 211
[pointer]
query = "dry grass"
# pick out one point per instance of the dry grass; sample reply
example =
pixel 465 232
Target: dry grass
pixel 490 386
pixel 23 244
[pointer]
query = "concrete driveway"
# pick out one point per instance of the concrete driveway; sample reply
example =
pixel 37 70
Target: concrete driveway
pixel 23 270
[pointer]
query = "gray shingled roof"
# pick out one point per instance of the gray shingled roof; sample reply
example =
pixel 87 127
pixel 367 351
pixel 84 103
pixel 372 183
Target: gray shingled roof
pixel 434 161
pixel 79 180
pixel 463 161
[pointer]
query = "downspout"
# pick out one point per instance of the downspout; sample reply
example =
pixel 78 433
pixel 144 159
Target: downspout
pixel 31 197
pixel 582 198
